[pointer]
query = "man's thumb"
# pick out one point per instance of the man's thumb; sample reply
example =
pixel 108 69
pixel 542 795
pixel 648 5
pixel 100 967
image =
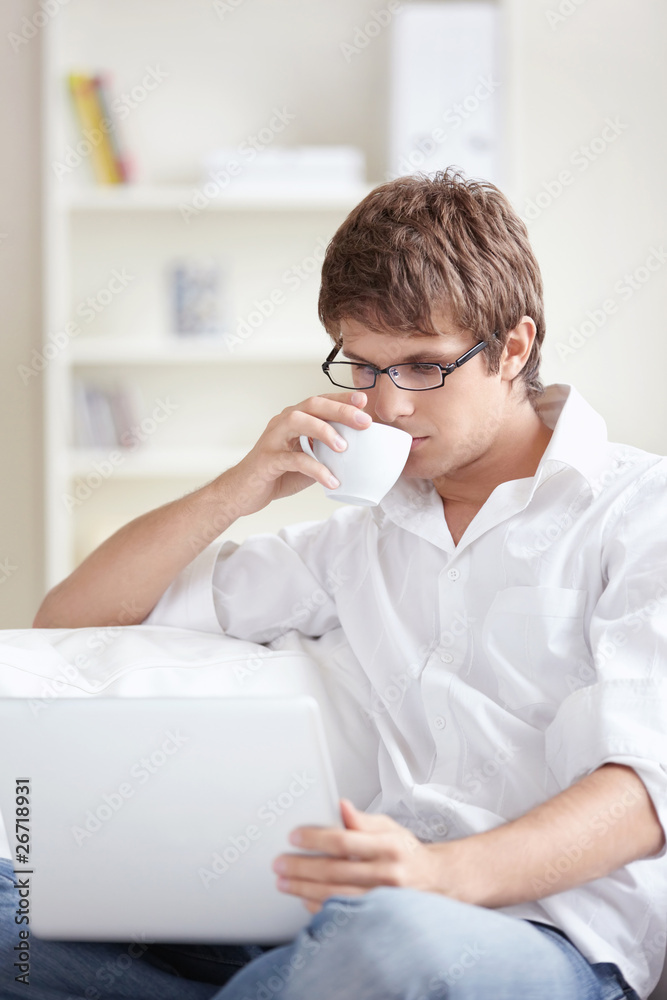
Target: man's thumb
pixel 357 819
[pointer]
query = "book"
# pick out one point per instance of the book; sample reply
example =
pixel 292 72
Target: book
pixel 107 417
pixel 121 158
pixel 101 418
pixel 96 127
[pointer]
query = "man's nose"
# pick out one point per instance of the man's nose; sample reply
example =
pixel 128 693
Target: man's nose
pixel 388 401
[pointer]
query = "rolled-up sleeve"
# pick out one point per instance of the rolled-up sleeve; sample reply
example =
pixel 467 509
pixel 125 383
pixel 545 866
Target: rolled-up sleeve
pixel 621 717
pixel 267 585
pixel 274 583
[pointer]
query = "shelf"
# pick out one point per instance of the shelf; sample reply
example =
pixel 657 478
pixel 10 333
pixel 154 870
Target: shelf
pixel 265 235
pixel 151 463
pixel 165 198
pixel 112 351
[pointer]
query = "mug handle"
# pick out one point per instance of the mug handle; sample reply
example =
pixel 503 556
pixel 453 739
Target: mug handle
pixel 305 444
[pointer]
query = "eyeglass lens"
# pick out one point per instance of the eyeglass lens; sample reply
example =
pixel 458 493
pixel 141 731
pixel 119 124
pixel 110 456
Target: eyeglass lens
pixel 410 376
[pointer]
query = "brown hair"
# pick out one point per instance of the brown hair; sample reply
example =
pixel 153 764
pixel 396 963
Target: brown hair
pixel 420 244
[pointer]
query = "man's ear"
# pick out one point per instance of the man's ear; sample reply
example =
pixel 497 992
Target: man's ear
pixel 517 348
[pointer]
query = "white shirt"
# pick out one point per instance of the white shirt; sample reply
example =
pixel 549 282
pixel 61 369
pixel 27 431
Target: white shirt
pixel 500 670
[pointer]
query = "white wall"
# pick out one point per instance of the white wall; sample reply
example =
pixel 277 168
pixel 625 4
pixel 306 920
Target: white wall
pixel 605 60
pixel 20 312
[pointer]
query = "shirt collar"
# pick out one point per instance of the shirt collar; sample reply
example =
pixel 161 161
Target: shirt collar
pixel 579 438
pixel 579 442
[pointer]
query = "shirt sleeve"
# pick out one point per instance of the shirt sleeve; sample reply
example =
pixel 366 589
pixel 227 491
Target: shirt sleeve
pixel 267 585
pixel 621 717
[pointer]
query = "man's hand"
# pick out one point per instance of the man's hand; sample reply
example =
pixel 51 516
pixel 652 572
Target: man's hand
pixel 601 823
pixel 277 465
pixel 373 850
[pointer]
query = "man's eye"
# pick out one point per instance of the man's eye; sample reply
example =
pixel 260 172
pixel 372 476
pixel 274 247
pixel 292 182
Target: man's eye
pixel 422 368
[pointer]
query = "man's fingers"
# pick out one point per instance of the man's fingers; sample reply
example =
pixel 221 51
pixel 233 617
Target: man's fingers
pixel 348 843
pixel 318 892
pixel 335 872
pixel 338 843
pixel 344 412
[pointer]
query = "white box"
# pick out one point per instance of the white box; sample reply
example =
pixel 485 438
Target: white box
pixel 446 89
pixel 318 168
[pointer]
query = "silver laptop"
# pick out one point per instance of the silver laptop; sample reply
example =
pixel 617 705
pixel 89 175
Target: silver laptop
pixel 158 819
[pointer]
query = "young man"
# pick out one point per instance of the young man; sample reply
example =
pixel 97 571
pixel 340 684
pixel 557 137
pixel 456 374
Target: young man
pixel 510 587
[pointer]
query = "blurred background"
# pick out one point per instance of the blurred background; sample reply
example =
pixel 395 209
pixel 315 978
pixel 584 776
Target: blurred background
pixel 173 170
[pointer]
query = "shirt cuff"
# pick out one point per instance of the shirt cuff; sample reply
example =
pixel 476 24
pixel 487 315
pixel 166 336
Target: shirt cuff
pixel 188 601
pixel 617 721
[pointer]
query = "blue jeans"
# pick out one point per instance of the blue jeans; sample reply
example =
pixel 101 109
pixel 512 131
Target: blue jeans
pixel 388 944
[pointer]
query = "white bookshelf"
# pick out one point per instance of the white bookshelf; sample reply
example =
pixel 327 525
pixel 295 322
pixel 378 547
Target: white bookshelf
pixel 224 396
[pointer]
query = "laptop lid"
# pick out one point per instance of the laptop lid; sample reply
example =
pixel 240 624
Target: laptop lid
pixel 158 819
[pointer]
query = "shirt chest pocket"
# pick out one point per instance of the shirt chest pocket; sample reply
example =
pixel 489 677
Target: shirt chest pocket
pixel 533 638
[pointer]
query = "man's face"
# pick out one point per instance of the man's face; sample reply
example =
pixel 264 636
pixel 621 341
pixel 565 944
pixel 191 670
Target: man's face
pixel 454 426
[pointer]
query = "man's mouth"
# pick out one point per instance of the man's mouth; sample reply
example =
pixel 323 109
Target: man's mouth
pixel 416 441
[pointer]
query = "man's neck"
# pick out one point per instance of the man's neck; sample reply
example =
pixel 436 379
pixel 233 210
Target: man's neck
pixel 516 454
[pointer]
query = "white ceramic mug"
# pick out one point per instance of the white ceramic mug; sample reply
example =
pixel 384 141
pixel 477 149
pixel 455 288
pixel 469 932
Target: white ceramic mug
pixel 369 466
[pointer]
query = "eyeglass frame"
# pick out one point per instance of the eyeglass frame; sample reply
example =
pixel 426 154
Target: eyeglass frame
pixel 445 370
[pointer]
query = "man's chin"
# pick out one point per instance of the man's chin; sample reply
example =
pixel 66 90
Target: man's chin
pixel 421 467
pixel 422 470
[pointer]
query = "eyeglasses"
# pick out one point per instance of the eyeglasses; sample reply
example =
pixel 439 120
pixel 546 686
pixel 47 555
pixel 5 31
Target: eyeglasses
pixel 415 376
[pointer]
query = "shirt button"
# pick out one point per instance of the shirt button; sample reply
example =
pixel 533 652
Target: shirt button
pixel 446 657
pixel 439 722
pixel 453 574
